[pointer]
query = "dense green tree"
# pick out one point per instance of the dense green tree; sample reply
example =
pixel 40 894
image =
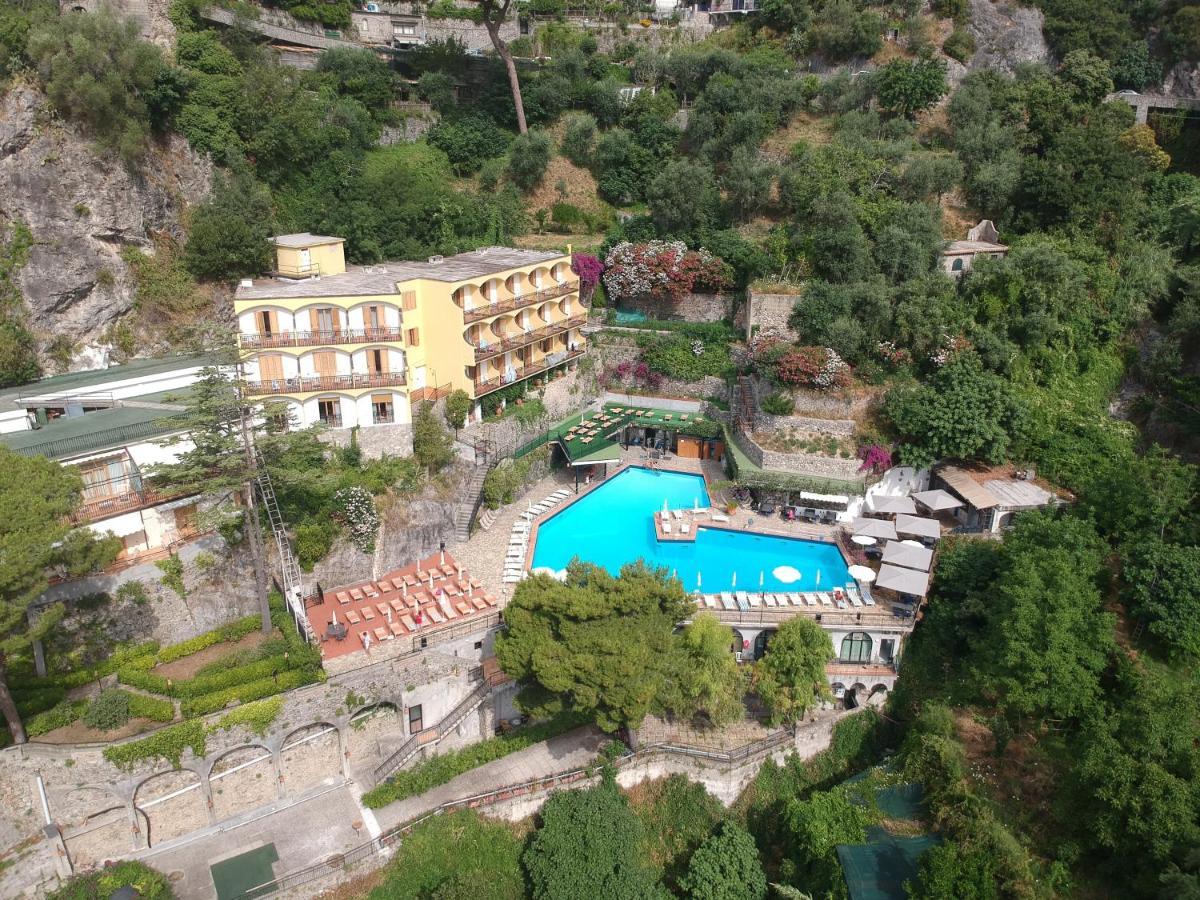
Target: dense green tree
pixel 528 158
pixel 790 678
pixel 579 136
pixel 588 846
pixel 952 870
pixel 962 413
pixel 1163 584
pixel 594 643
pixel 458 407
pixel 467 141
pixel 358 73
pixel 437 89
pixel 747 182
pixel 98 71
pixel 1135 68
pixel 814 827
pixel 36 495
pixel 683 197
pixel 837 245
pixel 1047 638
pixel 17 20
pixel 706 680
pixel 906 88
pixel 931 175
pixel 1088 76
pixel 18 354
pixel 725 867
pixel 231 230
pixel 840 30
pixel 220 462
pixel 433 446
pixel 908 241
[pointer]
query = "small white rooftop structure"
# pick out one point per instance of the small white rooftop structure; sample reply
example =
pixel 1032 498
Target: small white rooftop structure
pixel 304 239
pixel 904 581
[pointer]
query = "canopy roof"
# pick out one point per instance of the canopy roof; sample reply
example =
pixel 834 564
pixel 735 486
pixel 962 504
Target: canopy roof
pixel 937 500
pixel 905 581
pixel 840 499
pixel 961 482
pixel 922 527
pixel 892 504
pixel 908 556
pixel 877 528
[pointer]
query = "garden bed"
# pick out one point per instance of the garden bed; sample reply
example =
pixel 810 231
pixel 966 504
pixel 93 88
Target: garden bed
pixel 187 667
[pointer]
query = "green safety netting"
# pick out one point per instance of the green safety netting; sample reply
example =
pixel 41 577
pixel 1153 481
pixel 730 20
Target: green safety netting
pixel 878 869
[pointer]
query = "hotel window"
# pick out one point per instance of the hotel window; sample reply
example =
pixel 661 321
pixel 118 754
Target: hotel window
pixel 373 320
pixel 324 321
pixel 270 367
pixel 107 478
pixel 377 362
pixel 414 719
pixel 546 345
pixel 381 409
pixel 856 647
pixel 408 301
pixel 414 337
pixel 325 363
pixel 267 322
pixel 330 413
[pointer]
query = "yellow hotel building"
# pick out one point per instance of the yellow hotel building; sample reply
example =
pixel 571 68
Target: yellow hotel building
pixel 354 346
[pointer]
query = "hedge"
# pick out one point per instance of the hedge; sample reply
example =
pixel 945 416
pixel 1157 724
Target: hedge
pixel 254 690
pixel 32 701
pixel 232 632
pixel 206 684
pixel 148 883
pixel 56 717
pixel 438 770
pixel 143 707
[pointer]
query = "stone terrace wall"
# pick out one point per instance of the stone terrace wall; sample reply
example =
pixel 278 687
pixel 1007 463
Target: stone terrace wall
pixel 768 311
pixel 800 463
pixel 691 308
pixel 766 422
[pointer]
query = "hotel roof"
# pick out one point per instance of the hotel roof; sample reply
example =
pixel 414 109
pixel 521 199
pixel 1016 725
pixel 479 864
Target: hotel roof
pixel 304 239
pixel 361 281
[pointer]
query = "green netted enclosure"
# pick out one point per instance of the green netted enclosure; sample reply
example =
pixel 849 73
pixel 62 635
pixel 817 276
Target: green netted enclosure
pixel 878 869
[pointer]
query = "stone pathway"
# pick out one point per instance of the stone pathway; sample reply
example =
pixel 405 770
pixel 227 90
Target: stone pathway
pixel 572 750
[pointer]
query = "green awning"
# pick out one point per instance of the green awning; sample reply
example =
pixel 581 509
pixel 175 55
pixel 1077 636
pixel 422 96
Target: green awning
pixel 608 453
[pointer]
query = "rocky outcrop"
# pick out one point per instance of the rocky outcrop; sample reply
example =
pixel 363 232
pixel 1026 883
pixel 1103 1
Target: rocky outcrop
pixel 1006 35
pixel 84 207
pixel 1183 80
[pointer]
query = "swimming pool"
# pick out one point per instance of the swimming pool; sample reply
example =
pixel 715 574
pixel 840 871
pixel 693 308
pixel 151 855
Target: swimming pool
pixel 614 525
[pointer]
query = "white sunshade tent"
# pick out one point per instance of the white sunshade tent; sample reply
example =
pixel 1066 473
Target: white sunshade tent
pixel 906 555
pixel 921 527
pixel 937 500
pixel 876 528
pixel 904 581
pixel 893 505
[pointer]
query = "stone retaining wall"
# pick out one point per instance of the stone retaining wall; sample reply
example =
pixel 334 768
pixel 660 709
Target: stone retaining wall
pixel 690 308
pixel 767 311
pixel 800 463
pixel 766 422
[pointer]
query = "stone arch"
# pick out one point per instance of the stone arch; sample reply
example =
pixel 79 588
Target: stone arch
pixel 309 755
pixel 957 265
pixel 561 272
pixel 878 695
pixel 243 778
pixel 1004 520
pixel 761 640
pixel 738 644
pixel 839 689
pixel 857 646
pixel 95 824
pixel 375 730
pixel 173 803
pixel 540 277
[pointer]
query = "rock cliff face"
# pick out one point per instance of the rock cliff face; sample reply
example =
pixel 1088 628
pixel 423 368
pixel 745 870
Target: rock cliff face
pixel 1006 35
pixel 83 208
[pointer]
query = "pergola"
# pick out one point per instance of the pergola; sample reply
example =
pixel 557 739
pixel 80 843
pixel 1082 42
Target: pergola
pixel 919 526
pixel 908 556
pixel 876 528
pixel 903 581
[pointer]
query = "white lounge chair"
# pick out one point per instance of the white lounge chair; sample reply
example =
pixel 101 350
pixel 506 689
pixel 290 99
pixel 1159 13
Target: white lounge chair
pixel 756 601
pixel 510 579
pixel 825 599
pixel 727 600
pixel 666 526
pixel 710 600
pixel 677 513
pixel 743 599
pixel 684 528
pixel 562 492
pixel 720 518
pixel 769 599
pixel 810 600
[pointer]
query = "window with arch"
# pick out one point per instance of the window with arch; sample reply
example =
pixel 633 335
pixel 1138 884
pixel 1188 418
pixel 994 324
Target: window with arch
pixel 956 266
pixel 856 647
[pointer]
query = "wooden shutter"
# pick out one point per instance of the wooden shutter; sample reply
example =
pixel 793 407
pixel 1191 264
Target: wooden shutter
pixel 408 300
pixel 270 367
pixel 325 363
pixel 414 337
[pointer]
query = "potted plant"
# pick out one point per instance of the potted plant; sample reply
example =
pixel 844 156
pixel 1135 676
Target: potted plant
pixel 731 506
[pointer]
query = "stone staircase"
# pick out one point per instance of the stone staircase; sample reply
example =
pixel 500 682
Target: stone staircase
pixel 472 498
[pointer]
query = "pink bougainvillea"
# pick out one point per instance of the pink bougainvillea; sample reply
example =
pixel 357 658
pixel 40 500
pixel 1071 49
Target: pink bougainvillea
pixel 875 458
pixel 589 269
pixel 816 367
pixel 661 270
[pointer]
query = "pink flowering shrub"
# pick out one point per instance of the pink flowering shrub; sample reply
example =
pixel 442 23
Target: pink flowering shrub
pixel 662 270
pixel 815 367
pixel 875 458
pixel 589 269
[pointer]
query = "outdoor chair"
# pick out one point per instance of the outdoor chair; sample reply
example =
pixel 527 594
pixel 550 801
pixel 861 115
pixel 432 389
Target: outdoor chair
pixel 684 528
pixel 727 600
pixel 352 617
pixel 367 614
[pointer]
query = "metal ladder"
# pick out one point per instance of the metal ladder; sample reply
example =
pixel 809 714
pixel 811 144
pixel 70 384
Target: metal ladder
pixel 293 585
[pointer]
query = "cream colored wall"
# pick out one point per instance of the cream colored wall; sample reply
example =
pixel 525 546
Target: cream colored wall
pixel 324 259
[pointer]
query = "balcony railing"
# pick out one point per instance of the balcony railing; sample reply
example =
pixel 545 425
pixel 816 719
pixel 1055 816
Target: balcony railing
pixel 490 309
pixel 305 383
pixel 386 418
pixel 104 507
pixel 524 338
pixel 331 421
pixel 320 338
pixel 552 360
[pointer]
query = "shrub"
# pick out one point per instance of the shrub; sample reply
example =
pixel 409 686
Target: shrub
pixel 166 743
pixel 109 710
pixel 665 270
pixel 147 882
pixel 578 138
pixel 959 45
pixel 313 542
pixel 143 707
pixel 568 217
pixel 56 717
pixel 355 508
pixel 254 690
pixel 254 717
pixel 528 158
pixel 778 404
pixel 133 592
pixel 230 632
pixel 467 142
pixel 172 569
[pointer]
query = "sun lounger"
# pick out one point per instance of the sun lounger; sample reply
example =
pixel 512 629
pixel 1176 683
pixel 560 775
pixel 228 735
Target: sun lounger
pixel 710 600
pixel 868 600
pixel 743 599
pixel 382 608
pixel 437 617
pixel 463 608
pixel 809 600
pixel 489 600
pixel 756 601
pixel 451 591
pixel 385 584
pixel 342 597
pixel 382 634
pixel 397 606
pixel 479 603
pixel 727 600
pixel 356 594
pixel 854 600
pixel 769 599
pixel 367 613
pixel 666 527
pixel 717 517
pixel 684 527
pixel 369 591
pixel 677 513
pixel 825 598
pixel 410 580
pixel 352 617
pixel 563 492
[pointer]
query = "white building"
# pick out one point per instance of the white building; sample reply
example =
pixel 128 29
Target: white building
pixel 982 240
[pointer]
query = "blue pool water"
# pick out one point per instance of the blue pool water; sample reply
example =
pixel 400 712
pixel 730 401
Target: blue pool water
pixel 614 525
pixel 625 316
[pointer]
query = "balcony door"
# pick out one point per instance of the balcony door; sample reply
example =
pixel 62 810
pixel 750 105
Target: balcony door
pixel 330 412
pixel 377 362
pixel 381 409
pixel 325 363
pixel 270 367
pixel 324 321
pixel 267 323
pixel 373 320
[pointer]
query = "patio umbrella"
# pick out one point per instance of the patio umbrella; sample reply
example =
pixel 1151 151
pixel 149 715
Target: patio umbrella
pixel 695 504
pixel 762 578
pixel 818 577
pixel 787 574
pixel 470 589
pixel 333 620
pixel 404 588
pixel 876 528
pixel 861 573
pixel 387 613
pixel 937 500
pixel 674 573
pixel 863 540
pixel 919 526
pixel 442 558
pixel 697 582
pixel 908 556
pixel 893 505
pixel 903 581
pixel 431 581
pixel 735 578
pixel 664 506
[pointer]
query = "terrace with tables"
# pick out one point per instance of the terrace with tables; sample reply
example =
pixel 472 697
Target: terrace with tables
pixel 428 602
pixel 598 437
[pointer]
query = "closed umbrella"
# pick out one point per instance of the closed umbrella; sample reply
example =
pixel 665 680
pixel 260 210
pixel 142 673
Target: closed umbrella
pixel 762 577
pixel 818 577
pixel 735 578
pixel 697 582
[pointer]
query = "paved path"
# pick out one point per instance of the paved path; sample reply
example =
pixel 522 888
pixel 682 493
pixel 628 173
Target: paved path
pixel 572 750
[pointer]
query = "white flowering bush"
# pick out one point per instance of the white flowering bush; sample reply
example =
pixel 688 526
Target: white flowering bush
pixel 356 510
pixel 834 372
pixel 664 270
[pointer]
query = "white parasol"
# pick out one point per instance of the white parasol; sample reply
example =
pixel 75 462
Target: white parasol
pixel 787 574
pixel 863 540
pixel 862 573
